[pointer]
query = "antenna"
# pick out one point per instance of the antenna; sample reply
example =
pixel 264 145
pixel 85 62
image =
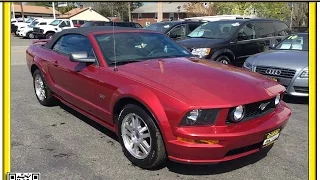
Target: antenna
pixel 114 49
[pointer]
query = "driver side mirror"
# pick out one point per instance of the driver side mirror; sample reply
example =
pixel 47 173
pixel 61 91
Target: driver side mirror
pixel 241 36
pixel 81 57
pixel 272 46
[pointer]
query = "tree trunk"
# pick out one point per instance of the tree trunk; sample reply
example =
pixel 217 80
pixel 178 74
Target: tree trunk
pixel 22 13
pixel 129 11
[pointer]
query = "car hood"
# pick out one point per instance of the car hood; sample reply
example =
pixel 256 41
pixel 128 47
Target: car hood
pixel 291 59
pixel 201 82
pixel 190 43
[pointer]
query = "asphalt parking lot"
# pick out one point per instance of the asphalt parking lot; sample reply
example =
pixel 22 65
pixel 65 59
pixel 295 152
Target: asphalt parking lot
pixel 62 144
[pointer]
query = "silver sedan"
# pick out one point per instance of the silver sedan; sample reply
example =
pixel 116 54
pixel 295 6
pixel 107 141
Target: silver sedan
pixel 286 63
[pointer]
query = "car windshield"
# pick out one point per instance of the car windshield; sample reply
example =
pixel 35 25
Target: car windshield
pixel 132 47
pixel 29 20
pixel 215 30
pixel 295 42
pixel 160 27
pixel 33 23
pixel 55 22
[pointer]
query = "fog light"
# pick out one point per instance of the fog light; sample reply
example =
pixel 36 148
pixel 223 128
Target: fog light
pixel 237 114
pixel 277 99
pixel 197 141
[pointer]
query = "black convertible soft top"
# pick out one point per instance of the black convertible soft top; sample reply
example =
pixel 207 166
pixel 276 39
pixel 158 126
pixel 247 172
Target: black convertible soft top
pixel 86 30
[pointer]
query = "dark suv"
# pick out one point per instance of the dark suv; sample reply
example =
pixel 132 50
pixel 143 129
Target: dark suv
pixel 105 23
pixel 232 41
pixel 175 29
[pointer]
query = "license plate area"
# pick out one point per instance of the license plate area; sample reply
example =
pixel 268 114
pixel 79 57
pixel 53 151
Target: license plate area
pixel 271 137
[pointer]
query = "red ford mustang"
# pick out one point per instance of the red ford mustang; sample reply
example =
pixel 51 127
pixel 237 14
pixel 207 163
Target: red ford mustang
pixel 160 100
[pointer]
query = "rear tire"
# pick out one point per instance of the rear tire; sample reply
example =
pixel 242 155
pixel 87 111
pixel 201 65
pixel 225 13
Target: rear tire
pixel 142 144
pixel 42 91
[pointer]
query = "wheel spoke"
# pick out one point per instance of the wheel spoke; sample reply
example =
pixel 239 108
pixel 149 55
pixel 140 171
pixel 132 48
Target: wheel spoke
pixel 143 149
pixel 143 129
pixel 128 134
pixel 145 146
pixel 129 128
pixel 135 122
pixel 144 136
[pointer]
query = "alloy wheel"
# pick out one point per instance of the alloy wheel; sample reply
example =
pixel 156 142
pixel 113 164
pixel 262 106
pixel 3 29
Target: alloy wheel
pixel 136 136
pixel 39 87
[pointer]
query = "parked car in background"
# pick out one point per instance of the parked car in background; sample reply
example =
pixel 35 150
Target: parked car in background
pixel 286 63
pixel 78 23
pixel 219 17
pixel 232 41
pixel 109 23
pixel 15 20
pixel 175 29
pixel 55 26
pixel 17 25
pixel 27 32
pixel 160 100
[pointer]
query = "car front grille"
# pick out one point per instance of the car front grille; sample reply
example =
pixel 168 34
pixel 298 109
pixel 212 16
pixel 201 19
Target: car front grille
pixel 14 28
pixel 253 110
pixel 275 71
pixel 299 89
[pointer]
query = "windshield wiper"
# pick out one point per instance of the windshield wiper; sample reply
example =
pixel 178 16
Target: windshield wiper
pixel 125 62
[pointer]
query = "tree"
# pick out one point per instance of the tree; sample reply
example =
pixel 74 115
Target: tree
pixel 277 10
pixel 114 9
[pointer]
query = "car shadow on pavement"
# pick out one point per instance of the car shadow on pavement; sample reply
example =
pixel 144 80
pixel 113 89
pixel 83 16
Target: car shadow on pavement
pixel 185 169
pixel 296 100
pixel 90 122
pixel 224 167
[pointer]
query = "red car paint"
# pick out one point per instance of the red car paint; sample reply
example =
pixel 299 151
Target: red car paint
pixel 168 88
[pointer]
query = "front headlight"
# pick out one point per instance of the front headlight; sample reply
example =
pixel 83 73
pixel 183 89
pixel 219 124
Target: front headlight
pixel 201 52
pixel 200 117
pixel 247 65
pixel 305 74
pixel 236 114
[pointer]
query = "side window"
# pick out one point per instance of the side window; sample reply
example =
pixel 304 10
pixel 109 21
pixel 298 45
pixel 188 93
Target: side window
pixel 74 21
pixel 178 31
pixel 74 43
pixel 193 27
pixel 247 32
pixel 43 23
pixel 264 29
pixel 65 24
pixel 282 29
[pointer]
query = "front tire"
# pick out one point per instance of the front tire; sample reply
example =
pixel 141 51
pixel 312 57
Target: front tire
pixel 30 35
pixel 42 91
pixel 223 59
pixel 140 138
pixel 49 35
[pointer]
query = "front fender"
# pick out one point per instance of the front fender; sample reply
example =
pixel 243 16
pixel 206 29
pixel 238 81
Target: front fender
pixel 149 99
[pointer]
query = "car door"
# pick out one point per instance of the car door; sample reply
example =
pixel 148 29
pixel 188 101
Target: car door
pixel 247 44
pixel 265 35
pixel 66 24
pixel 74 81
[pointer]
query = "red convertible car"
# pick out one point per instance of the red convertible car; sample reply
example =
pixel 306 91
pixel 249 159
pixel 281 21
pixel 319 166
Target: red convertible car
pixel 160 100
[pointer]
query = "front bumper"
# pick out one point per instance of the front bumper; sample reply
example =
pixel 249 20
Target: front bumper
pixel 235 141
pixel 21 33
